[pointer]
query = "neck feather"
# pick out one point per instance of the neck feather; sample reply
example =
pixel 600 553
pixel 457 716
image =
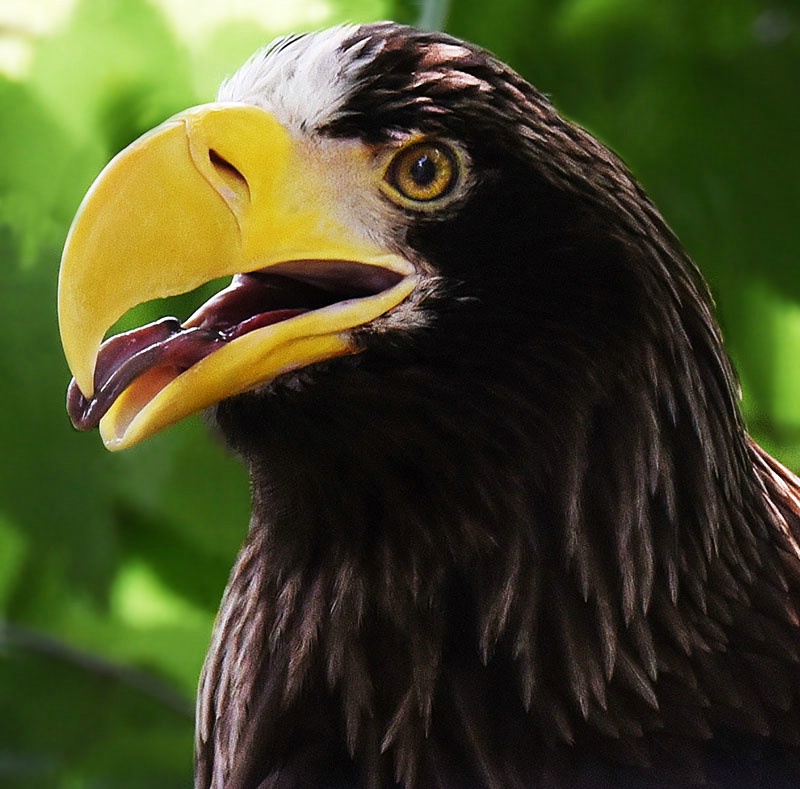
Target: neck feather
pixel 403 572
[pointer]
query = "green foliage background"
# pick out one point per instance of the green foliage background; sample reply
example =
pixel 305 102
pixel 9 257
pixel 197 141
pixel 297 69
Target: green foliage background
pixel 111 566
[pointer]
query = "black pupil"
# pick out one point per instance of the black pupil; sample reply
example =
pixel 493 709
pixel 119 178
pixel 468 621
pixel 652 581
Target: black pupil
pixel 423 171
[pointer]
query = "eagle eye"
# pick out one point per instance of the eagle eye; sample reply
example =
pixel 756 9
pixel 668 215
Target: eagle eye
pixel 423 171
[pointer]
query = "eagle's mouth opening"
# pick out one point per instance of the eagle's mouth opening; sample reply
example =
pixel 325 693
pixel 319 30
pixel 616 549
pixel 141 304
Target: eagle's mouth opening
pixel 164 349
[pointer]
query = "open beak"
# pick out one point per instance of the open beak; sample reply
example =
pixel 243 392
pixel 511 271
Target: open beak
pixel 221 189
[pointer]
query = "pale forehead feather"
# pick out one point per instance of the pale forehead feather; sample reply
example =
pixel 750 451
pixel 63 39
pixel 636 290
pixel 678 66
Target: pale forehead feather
pixel 305 80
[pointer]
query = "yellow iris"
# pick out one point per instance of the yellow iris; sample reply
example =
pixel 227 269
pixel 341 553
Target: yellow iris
pixel 424 171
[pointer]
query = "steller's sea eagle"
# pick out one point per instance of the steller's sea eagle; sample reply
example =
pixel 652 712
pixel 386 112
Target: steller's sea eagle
pixel 508 528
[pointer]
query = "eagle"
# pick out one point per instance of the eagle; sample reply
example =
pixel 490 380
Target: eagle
pixel 508 528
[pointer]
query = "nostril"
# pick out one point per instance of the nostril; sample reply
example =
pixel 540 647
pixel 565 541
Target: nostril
pixel 229 174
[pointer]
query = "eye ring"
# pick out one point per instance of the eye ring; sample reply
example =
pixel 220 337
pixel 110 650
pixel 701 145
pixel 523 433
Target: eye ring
pixel 424 171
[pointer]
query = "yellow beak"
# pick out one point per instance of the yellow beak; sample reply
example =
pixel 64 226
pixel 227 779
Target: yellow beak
pixel 221 189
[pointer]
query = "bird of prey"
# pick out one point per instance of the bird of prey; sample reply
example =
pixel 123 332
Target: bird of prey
pixel 508 529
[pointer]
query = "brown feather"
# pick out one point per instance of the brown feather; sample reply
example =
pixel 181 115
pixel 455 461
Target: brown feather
pixel 524 541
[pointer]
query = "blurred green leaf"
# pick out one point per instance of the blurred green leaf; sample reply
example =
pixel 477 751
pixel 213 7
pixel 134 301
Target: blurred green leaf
pixel 91 725
pixel 113 72
pixel 13 550
pixel 43 176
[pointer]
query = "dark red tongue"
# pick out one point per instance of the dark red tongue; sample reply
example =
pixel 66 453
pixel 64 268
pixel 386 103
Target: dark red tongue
pixel 172 347
pixel 125 357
